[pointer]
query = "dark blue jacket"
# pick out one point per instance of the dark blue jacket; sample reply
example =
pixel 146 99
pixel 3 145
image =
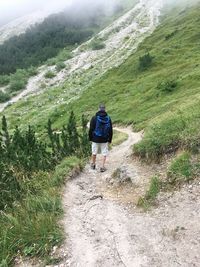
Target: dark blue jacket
pixel 92 136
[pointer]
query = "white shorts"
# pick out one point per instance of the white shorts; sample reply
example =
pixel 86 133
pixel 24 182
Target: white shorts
pixel 102 147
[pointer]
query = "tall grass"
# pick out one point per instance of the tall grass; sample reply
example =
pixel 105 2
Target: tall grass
pixel 151 194
pixel 31 227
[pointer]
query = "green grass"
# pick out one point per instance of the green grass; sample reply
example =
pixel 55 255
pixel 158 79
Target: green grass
pixel 49 74
pixel 97 44
pixel 31 228
pixel 118 138
pixel 4 97
pixel 182 169
pixel 150 196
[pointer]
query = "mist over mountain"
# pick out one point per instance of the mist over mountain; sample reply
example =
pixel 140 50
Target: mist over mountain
pixel 11 10
pixel 75 24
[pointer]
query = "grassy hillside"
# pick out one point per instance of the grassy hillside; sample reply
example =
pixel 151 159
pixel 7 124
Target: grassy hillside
pixel 163 97
pixel 157 89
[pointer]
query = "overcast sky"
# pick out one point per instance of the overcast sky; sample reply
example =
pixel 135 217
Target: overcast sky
pixel 10 9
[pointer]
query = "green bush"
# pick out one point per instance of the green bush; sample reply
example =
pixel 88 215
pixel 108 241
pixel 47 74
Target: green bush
pixel 162 138
pixel 31 227
pixel 181 169
pixel 60 65
pixel 49 74
pixel 97 44
pixel 32 71
pixel 10 186
pixel 4 97
pixel 167 86
pixel 4 80
pixel 151 194
pixel 17 85
pixel 18 80
pixel 170 35
pixel 145 61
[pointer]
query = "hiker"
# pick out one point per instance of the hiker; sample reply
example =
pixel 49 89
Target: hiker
pixel 100 134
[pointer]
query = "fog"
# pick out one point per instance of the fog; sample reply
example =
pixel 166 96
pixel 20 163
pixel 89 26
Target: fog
pixel 12 9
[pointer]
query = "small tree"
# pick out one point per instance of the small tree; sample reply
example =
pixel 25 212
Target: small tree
pixel 85 146
pixel 73 136
pixel 145 61
pixel 65 141
pixel 5 133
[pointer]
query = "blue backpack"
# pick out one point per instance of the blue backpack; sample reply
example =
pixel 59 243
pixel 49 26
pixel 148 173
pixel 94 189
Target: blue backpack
pixel 103 126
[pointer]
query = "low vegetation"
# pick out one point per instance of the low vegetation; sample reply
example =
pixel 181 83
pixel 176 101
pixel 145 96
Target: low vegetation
pixel 145 61
pixel 49 74
pixel 15 82
pixel 60 65
pixel 31 174
pixel 119 137
pixel 97 44
pixel 4 97
pixel 150 196
pixel 183 169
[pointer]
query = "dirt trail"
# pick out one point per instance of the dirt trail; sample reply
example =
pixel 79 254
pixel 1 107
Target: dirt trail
pixel 104 228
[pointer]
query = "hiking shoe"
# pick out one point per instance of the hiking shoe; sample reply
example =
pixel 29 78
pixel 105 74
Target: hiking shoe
pixel 93 166
pixel 102 169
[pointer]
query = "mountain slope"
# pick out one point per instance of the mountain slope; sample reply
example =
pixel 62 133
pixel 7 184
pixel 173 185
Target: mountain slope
pixel 164 98
pixel 120 40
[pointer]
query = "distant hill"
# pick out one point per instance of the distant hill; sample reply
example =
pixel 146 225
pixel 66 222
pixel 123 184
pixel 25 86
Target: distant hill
pixel 32 39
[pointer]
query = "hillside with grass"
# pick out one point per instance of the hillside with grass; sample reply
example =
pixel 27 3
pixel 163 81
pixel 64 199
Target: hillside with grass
pixel 158 88
pixel 151 84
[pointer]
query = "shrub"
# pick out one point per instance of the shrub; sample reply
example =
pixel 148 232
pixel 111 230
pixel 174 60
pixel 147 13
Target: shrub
pixel 18 80
pixel 51 61
pixel 4 80
pixel 97 44
pixel 170 35
pixel 10 187
pixel 181 169
pixel 49 75
pixel 145 61
pixel 151 194
pixel 167 86
pixel 32 71
pixel 4 97
pixel 60 65
pixel 162 138
pixel 17 85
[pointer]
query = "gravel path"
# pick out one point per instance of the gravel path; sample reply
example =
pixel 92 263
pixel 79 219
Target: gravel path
pixel 104 228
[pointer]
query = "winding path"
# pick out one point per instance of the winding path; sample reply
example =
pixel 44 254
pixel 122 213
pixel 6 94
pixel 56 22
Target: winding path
pixel 105 229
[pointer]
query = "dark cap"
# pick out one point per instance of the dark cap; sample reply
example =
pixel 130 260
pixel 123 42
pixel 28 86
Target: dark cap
pixel 102 107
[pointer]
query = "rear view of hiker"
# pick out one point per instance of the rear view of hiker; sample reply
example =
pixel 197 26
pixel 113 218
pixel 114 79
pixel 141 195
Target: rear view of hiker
pixel 100 134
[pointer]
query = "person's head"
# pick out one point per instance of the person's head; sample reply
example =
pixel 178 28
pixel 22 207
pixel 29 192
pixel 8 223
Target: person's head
pixel 102 107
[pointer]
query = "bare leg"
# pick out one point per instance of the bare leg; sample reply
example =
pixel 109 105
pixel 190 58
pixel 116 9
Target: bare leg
pixel 104 161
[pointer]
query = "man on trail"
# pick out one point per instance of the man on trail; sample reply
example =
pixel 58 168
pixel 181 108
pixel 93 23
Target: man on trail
pixel 100 134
